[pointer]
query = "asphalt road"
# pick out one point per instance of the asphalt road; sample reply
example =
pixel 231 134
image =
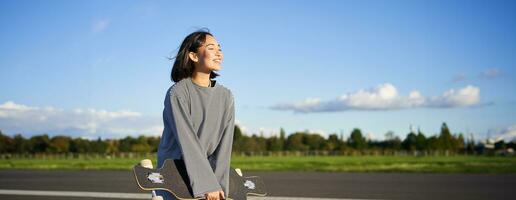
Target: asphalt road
pixel 284 184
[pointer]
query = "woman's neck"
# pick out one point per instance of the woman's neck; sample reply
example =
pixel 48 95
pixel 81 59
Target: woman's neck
pixel 201 78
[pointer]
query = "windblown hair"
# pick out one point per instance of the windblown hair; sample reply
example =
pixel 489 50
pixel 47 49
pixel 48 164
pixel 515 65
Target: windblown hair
pixel 184 67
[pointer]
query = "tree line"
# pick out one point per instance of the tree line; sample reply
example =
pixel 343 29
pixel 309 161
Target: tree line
pixel 355 142
pixel 244 144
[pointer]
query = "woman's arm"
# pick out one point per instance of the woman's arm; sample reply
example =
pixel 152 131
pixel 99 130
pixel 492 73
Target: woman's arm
pixel 222 155
pixel 200 173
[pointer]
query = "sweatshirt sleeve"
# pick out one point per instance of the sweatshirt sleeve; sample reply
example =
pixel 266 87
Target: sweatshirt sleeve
pixel 200 173
pixel 222 155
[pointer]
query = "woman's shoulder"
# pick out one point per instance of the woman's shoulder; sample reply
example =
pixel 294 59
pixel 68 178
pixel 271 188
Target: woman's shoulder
pixel 178 88
pixel 226 92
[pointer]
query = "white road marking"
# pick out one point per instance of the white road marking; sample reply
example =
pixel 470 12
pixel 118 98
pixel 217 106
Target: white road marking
pixel 77 194
pixel 116 195
pixel 298 198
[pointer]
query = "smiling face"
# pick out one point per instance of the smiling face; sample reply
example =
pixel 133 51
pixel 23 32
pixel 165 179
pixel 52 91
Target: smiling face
pixel 209 55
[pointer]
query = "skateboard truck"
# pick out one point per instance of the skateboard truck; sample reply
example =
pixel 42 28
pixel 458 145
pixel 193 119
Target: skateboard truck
pixel 153 177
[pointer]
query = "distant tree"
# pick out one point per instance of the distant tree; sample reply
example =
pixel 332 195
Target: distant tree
pixel 153 143
pixel 79 145
pixel 238 140
pixel 446 141
pixel 98 146
pixel 433 143
pixel 141 145
pixel 333 143
pixel 420 141
pixel 39 143
pixel 313 141
pixel 59 144
pixel 274 144
pixel 261 142
pixel 112 146
pixel 6 143
pixel 295 142
pixel 20 144
pixel 392 141
pixel 470 144
pixel 356 140
pixel 298 141
pixel 459 143
pixel 410 142
pixel 390 135
pixel 250 144
pixel 282 138
pixel 126 144
pixel 237 135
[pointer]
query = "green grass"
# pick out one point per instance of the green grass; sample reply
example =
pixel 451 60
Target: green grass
pixel 69 164
pixel 440 164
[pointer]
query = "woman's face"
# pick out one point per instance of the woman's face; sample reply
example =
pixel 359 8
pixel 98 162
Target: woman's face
pixel 209 55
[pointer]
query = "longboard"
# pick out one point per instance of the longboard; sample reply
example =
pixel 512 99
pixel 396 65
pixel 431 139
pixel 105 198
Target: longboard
pixel 172 177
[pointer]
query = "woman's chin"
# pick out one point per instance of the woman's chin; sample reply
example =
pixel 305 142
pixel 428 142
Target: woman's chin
pixel 216 68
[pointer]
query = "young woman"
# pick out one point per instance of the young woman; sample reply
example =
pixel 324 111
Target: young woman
pixel 199 117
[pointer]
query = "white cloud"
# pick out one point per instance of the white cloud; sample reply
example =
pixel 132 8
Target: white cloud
pixel 243 128
pixel 18 118
pixel 100 25
pixel 266 132
pixel 508 134
pixel 385 97
pixel 249 131
pixel 467 96
pixel 246 130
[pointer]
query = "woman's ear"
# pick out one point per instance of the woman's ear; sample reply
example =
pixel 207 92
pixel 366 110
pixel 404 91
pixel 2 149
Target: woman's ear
pixel 193 56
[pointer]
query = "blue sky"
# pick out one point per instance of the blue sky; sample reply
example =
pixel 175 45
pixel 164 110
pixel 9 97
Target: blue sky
pixel 99 68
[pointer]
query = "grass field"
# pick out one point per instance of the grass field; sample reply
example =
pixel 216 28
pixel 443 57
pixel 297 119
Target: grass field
pixel 441 164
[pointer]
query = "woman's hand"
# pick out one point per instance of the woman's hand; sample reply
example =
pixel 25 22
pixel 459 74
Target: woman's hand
pixel 217 195
pixel 221 194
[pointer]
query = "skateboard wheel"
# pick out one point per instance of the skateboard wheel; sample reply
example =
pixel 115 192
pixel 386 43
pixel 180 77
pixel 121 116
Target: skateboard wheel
pixel 157 198
pixel 146 163
pixel 238 171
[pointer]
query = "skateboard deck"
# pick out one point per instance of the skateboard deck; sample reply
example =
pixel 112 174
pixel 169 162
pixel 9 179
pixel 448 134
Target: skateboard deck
pixel 172 177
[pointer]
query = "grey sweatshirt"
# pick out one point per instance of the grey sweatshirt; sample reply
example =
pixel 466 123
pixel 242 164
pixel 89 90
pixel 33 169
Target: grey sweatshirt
pixel 198 128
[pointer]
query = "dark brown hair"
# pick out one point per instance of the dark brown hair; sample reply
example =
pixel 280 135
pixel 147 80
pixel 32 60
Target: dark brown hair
pixel 184 67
